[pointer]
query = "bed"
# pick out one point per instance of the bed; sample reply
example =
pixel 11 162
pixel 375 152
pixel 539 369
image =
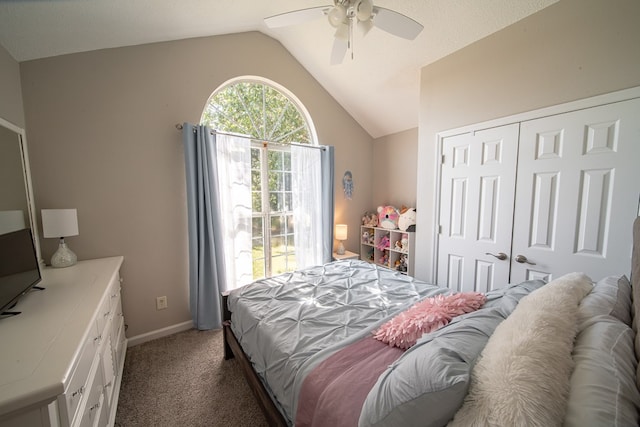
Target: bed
pixel 562 353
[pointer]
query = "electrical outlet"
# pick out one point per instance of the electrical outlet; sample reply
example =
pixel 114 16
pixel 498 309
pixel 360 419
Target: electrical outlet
pixel 161 303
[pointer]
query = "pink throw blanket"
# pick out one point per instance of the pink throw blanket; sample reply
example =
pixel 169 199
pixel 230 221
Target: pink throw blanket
pixel 335 390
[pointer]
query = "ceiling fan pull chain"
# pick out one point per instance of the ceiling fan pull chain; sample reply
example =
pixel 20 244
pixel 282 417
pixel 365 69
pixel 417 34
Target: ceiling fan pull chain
pixel 351 39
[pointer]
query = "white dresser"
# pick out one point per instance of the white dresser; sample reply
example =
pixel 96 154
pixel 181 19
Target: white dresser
pixel 61 360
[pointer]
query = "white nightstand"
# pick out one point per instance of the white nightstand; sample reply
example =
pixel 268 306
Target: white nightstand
pixel 346 255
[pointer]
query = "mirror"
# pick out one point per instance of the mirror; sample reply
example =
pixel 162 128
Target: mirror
pixel 16 197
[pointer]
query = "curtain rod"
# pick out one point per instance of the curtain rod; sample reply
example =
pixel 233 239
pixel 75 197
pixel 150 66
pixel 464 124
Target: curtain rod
pixel 261 141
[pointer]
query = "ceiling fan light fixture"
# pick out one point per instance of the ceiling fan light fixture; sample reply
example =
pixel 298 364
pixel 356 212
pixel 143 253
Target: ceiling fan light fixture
pixel 364 10
pixel 337 15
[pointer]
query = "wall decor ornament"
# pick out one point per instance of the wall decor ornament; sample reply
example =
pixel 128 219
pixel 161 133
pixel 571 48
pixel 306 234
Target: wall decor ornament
pixel 347 184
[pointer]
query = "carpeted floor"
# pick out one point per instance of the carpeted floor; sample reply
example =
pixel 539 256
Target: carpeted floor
pixel 183 380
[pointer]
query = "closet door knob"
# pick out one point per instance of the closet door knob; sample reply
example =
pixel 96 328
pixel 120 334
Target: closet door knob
pixel 523 260
pixel 501 255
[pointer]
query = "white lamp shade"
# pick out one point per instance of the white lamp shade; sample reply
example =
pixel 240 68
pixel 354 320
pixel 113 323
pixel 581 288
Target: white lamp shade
pixel 11 221
pixel 59 222
pixel 341 231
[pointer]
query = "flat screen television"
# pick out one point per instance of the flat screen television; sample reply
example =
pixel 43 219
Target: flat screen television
pixel 19 268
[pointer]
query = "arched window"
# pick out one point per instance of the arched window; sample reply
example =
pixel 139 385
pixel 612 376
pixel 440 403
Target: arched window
pixel 260 109
pixel 265 112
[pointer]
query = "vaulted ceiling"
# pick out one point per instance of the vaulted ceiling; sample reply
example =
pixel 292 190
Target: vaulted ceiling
pixel 379 87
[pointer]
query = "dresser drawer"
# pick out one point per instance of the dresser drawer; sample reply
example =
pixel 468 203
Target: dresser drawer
pixel 119 344
pixel 95 400
pixel 77 383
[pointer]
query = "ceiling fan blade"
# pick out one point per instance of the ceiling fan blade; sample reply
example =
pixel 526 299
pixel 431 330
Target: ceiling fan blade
pixel 338 51
pixel 295 17
pixel 396 23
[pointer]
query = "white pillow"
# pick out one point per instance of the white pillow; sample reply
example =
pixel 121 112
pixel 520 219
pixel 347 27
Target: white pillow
pixel 603 385
pixel 522 376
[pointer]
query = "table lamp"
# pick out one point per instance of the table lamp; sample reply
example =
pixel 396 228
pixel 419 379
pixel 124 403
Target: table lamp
pixel 341 235
pixel 61 223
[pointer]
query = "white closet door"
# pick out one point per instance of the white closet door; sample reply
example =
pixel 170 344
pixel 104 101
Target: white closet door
pixel 577 192
pixel 477 196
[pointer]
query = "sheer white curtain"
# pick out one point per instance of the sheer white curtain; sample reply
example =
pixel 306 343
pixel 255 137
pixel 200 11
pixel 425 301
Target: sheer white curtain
pixel 234 178
pixel 306 180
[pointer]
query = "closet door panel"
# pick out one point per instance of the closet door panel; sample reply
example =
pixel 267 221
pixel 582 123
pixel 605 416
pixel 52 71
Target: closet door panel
pixel 477 193
pixel 577 192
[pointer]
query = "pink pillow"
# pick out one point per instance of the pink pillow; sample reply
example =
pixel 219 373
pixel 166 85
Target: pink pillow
pixel 425 316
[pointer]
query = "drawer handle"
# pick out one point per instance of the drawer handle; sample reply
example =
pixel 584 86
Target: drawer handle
pixel 107 313
pixel 96 406
pixel 107 385
pixel 78 392
pixel 98 338
pixel 114 295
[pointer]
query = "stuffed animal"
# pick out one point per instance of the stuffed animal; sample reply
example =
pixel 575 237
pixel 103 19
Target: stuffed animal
pixel 384 259
pixel 407 219
pixel 398 246
pixel 404 243
pixel 383 243
pixel 370 219
pixel 388 217
pixel 365 237
pixel 404 264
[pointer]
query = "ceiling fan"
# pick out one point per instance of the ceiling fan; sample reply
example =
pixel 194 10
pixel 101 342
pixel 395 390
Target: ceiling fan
pixel 344 16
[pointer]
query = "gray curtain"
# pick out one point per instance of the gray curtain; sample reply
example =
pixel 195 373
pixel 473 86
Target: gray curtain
pixel 206 254
pixel 328 201
pixel 207 273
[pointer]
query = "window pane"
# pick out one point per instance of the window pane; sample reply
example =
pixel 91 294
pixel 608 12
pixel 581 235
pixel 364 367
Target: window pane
pixel 258 269
pixel 255 158
pixel 290 243
pixel 256 227
pixel 277 223
pixel 289 224
pixel 288 201
pixel 256 182
pixel 278 246
pixel 287 181
pixel 287 160
pixel 279 264
pixel 276 202
pixel 256 201
pixel 291 262
pixel 275 160
pixel 275 181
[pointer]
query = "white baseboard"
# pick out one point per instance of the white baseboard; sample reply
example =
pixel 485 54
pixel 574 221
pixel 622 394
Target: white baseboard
pixel 159 333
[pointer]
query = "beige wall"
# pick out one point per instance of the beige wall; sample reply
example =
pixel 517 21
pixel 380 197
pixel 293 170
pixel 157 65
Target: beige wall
pixel 11 108
pixel 568 51
pixel 394 169
pixel 102 140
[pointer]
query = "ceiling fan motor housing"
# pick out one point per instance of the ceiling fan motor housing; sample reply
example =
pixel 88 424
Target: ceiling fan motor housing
pixel 345 10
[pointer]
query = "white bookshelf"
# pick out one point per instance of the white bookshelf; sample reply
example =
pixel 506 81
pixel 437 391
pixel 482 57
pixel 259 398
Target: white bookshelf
pixel 391 256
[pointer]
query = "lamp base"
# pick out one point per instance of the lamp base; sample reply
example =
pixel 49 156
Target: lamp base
pixel 63 257
pixel 340 249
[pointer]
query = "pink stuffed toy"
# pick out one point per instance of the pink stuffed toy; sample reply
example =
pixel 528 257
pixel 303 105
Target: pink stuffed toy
pixel 388 217
pixel 384 243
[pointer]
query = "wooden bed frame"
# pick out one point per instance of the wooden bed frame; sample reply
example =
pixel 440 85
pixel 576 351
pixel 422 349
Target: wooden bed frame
pixel 233 349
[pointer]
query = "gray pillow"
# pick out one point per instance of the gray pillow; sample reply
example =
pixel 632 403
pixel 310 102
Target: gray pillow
pixel 427 385
pixel 610 296
pixel 603 388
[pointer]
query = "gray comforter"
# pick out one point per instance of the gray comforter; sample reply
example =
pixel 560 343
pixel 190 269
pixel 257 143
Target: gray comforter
pixel 289 323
